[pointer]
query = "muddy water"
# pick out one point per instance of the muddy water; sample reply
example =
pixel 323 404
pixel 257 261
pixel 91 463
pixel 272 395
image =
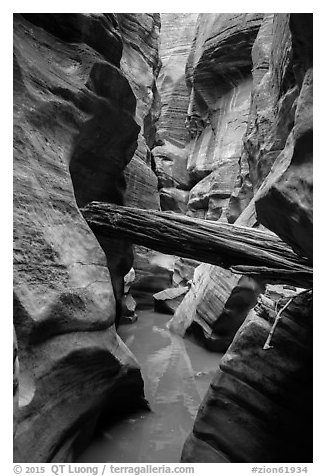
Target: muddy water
pixel 177 373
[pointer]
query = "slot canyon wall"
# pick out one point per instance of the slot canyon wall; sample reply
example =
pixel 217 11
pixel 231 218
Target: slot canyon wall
pixel 76 126
pixel 208 115
pixel 263 174
pixel 234 421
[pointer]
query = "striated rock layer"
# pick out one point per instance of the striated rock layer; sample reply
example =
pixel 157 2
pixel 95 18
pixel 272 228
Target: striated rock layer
pixel 171 154
pixel 283 197
pixel 276 162
pixel 217 313
pixel 140 64
pixel 218 74
pixel 278 141
pixel 177 32
pixel 259 405
pixel 74 132
pixel 284 203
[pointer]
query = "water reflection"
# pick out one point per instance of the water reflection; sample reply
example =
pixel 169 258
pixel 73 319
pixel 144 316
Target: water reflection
pixel 177 373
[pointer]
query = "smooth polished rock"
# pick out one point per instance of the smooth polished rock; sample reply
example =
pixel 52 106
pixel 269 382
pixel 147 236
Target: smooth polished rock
pixel 218 73
pixel 284 203
pixel 74 132
pixel 171 154
pixel 250 412
pixel 177 32
pixel 15 383
pixel 140 64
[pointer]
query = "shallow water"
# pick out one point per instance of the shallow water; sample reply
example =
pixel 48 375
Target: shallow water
pixel 177 373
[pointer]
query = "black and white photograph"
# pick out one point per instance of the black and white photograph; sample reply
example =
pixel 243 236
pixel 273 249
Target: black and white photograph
pixel 162 241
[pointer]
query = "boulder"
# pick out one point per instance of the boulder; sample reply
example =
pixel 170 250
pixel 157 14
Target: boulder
pixel 128 311
pixel 168 300
pixel 128 305
pixel 216 316
pixel 172 199
pixel 154 273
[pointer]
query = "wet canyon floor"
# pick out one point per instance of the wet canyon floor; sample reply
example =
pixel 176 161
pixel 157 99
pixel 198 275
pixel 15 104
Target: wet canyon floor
pixel 177 373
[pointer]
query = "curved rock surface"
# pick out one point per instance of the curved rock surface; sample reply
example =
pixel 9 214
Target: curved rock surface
pixel 216 306
pixel 177 33
pixel 15 383
pixel 171 154
pixel 266 167
pixel 168 300
pixel 140 63
pixel 233 144
pixel 275 166
pixel 284 203
pixel 73 109
pixel 259 405
pixel 218 74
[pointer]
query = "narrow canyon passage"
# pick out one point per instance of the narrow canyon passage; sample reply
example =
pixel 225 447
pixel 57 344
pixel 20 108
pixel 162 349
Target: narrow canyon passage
pixel 177 373
pixel 163 161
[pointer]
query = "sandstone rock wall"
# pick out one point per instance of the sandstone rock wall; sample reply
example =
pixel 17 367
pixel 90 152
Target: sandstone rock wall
pixel 259 405
pixel 276 162
pixel 85 110
pixel 74 132
pixel 268 148
pixel 140 64
pixel 284 203
pixel 176 38
pixel 218 74
pixel 171 154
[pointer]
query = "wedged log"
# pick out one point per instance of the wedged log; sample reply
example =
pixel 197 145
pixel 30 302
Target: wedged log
pixel 243 250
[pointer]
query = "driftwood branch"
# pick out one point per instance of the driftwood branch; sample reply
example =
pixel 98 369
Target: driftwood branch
pixel 277 319
pixel 241 249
